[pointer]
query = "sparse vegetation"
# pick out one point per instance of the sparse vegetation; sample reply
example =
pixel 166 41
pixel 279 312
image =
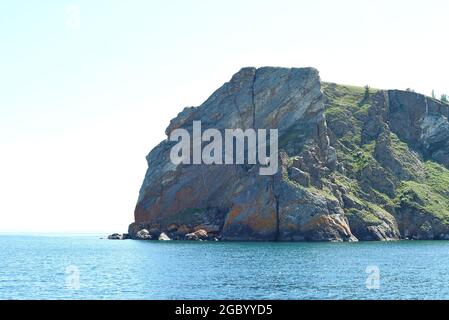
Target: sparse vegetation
pixel 368 217
pixel 430 196
pixel 367 93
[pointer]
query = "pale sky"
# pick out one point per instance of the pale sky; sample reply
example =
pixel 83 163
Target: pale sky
pixel 87 88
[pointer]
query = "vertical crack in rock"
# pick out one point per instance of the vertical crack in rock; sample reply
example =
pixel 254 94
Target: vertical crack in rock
pixel 253 99
pixel 238 110
pixel 276 200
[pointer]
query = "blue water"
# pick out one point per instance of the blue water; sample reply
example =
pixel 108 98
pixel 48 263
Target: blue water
pixel 86 267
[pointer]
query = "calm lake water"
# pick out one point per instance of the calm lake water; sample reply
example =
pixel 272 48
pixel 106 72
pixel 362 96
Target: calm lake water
pixel 86 267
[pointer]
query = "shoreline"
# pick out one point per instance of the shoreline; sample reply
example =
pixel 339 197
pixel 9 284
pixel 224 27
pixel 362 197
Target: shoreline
pixel 270 241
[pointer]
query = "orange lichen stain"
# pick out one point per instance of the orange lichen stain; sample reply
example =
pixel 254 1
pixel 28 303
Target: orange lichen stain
pixel 262 223
pixel 265 224
pixel 316 222
pixel 291 226
pixel 184 194
pixel 234 213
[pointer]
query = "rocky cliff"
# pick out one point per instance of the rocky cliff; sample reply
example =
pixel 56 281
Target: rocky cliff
pixel 353 165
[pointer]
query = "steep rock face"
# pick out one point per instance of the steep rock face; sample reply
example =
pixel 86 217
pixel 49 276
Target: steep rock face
pixel 394 149
pixel 422 122
pixel 352 165
pixel 234 201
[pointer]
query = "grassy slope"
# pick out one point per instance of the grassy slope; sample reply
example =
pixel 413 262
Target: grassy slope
pixel 430 196
pixel 346 104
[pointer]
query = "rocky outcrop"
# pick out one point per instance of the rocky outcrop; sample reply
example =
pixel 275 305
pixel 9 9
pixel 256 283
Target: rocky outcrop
pixel 299 176
pixel 343 160
pixel 197 235
pixel 163 237
pixel 143 234
pixel 118 236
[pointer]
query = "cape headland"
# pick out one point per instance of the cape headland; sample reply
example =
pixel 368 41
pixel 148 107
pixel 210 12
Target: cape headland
pixel 355 163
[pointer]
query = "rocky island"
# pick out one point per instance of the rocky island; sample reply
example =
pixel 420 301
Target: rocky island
pixel 355 163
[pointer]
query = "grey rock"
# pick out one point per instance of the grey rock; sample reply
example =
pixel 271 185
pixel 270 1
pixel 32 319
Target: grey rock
pixel 117 236
pixel 163 237
pixel 421 122
pixel 143 234
pixel 303 178
pixel 197 235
